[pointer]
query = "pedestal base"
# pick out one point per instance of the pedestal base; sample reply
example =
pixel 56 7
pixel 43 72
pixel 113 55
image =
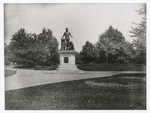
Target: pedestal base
pixel 67 61
pixel 68 67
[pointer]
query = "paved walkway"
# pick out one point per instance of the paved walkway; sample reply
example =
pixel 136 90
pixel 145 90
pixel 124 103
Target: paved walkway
pixel 27 78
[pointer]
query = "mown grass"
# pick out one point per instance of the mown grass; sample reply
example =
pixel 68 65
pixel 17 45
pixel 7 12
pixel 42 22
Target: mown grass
pixel 124 91
pixel 95 67
pixel 39 67
pixel 9 73
pixel 112 67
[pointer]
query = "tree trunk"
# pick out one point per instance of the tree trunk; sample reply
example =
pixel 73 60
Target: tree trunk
pixel 107 58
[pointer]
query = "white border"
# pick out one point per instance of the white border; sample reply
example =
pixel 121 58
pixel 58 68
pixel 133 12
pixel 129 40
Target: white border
pixel 2 105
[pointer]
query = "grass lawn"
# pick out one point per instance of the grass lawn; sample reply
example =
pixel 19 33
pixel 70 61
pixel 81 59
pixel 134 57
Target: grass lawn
pixel 96 67
pixel 112 67
pixel 9 73
pixel 53 67
pixel 124 91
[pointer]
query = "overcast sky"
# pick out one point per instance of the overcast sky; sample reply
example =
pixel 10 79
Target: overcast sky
pixel 85 21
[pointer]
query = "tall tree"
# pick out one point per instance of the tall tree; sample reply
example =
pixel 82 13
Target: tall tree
pixel 19 47
pixel 47 47
pixel 110 45
pixel 139 32
pixel 31 49
pixel 88 53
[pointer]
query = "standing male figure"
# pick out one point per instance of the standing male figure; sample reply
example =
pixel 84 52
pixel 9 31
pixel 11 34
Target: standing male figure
pixel 67 35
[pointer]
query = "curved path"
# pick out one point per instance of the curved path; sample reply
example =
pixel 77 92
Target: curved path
pixel 27 78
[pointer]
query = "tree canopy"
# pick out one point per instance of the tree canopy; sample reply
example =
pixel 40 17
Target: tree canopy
pixel 88 52
pixel 139 33
pixel 31 49
pixel 111 46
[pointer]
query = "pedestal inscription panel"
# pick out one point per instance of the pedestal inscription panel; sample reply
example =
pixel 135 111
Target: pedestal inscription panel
pixel 65 59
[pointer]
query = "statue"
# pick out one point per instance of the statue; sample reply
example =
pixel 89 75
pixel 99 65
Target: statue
pixel 66 44
pixel 69 45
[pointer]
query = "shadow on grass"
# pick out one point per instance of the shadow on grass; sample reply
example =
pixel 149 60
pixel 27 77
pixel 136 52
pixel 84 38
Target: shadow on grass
pixel 78 95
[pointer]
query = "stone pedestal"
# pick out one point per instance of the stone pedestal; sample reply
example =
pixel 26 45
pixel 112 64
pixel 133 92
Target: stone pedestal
pixel 67 61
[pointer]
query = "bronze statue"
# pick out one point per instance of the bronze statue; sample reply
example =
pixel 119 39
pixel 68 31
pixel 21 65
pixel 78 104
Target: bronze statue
pixel 66 44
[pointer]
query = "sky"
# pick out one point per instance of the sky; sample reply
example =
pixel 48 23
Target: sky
pixel 85 21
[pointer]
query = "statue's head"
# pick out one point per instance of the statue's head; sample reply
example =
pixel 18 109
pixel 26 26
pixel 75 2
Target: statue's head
pixel 66 29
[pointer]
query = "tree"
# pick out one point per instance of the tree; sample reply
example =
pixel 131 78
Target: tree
pixel 31 49
pixel 139 32
pixel 78 58
pixel 88 52
pixel 110 46
pixel 6 54
pixel 19 47
pixel 47 48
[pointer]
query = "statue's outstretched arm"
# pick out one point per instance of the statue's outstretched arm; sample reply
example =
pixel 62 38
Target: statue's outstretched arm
pixel 63 35
pixel 70 34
